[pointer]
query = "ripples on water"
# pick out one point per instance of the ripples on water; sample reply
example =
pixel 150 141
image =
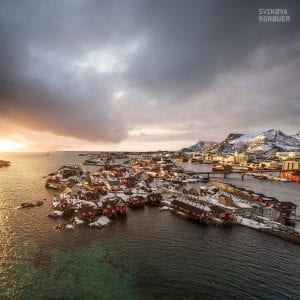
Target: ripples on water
pixel 149 255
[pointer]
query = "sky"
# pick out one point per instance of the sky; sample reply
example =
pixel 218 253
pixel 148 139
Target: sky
pixel 144 75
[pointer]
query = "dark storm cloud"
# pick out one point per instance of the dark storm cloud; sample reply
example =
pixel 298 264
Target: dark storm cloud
pixel 179 64
pixel 191 42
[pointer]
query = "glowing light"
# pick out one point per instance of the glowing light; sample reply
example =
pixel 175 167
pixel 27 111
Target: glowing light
pixel 104 61
pixel 9 146
pixel 118 95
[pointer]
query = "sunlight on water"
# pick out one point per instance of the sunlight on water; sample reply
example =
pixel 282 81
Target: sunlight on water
pixel 151 254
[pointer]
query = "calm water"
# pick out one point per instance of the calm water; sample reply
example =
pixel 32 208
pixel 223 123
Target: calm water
pixel 149 255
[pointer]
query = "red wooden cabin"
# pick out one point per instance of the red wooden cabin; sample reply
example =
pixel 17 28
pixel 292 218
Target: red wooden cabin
pixel 191 211
pixel 220 213
pixel 136 202
pixel 86 212
pixel 121 208
pixel 109 210
pixel 154 199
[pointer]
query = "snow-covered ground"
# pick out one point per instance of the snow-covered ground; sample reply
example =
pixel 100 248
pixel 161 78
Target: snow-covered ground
pixel 251 223
pixel 70 227
pixel 241 203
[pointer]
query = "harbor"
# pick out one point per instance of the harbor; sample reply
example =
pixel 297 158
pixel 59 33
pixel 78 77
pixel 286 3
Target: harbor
pixel 150 238
pixel 149 150
pixel 97 198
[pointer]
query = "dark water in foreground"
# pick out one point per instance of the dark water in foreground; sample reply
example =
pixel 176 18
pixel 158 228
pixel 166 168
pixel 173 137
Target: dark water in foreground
pixel 149 255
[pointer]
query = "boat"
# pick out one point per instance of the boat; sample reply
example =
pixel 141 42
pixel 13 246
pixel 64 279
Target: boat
pixel 221 168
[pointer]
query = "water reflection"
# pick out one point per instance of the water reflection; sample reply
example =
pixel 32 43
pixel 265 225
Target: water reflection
pixel 152 254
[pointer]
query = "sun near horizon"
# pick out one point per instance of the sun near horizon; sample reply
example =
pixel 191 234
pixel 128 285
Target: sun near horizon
pixel 7 145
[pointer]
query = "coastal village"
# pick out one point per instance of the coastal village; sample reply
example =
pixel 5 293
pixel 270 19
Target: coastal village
pixel 149 149
pixel 121 183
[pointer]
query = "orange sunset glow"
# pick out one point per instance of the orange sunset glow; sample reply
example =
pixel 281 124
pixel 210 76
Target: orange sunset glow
pixel 139 85
pixel 149 149
pixel 10 146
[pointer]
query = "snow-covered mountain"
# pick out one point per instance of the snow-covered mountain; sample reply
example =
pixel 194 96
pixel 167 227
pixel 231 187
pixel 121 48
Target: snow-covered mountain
pixel 297 135
pixel 202 146
pixel 270 141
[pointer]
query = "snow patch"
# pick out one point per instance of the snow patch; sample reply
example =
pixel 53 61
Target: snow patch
pixel 78 221
pixel 57 213
pixel 70 227
pixel 102 221
pixel 250 223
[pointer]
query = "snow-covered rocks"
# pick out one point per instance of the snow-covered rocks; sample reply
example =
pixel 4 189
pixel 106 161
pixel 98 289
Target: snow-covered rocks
pixel 77 221
pixel 56 214
pixel 101 221
pixel 70 227
pixel 164 208
pixel 55 204
pixel 250 223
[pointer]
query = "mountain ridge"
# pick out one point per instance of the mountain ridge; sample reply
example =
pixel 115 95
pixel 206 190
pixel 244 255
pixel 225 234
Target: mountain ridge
pixel 270 141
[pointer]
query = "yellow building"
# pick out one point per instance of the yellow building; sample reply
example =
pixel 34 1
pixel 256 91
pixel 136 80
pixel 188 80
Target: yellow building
pixel 268 164
pixel 291 165
pixel 287 155
pixel 227 201
pixel 240 157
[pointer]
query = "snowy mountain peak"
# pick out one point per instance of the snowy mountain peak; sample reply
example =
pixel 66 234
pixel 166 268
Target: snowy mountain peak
pixel 232 136
pixel 272 133
pixel 297 135
pixel 202 146
pixel 269 141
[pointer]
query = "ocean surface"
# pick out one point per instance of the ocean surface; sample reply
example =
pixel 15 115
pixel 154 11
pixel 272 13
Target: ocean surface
pixel 150 255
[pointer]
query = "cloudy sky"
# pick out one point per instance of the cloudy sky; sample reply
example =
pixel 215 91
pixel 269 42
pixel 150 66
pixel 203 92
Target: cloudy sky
pixel 137 74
